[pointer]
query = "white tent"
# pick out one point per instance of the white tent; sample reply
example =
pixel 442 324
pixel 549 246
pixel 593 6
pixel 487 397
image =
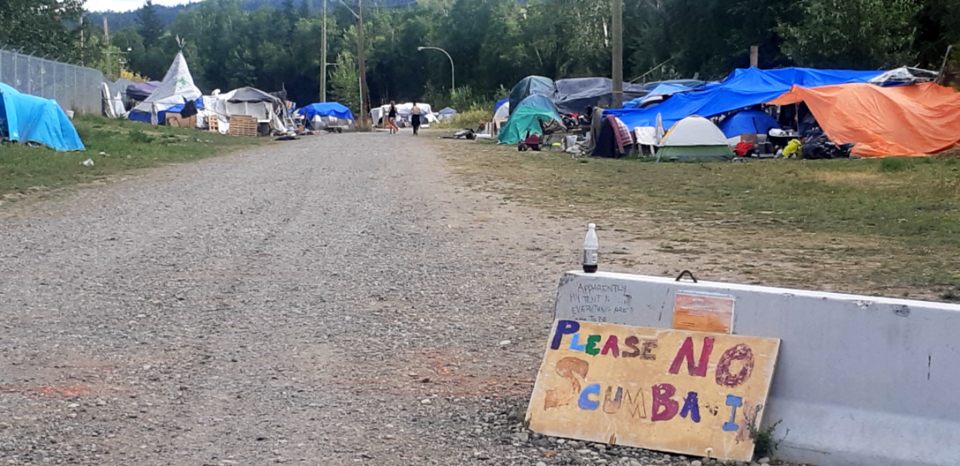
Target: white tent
pixel 246 101
pixel 503 112
pixel 694 138
pixel 403 112
pixel 176 88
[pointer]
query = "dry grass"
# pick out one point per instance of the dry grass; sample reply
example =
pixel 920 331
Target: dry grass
pixel 865 226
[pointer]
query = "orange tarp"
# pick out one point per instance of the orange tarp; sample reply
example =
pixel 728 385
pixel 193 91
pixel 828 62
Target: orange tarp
pixel 921 119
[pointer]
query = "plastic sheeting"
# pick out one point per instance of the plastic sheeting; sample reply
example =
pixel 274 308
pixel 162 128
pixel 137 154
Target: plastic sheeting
pixel 884 121
pixel 531 85
pixel 334 109
pixel 747 122
pixel 576 94
pixel 743 88
pixel 527 118
pixel 26 118
pixel 140 91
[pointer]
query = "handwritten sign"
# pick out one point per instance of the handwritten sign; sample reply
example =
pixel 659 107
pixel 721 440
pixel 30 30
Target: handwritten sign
pixel 680 391
pixel 599 302
pixel 703 313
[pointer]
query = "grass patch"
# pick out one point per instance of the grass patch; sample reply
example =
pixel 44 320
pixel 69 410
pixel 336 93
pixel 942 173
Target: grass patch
pixel 127 145
pixel 877 223
pixel 468 119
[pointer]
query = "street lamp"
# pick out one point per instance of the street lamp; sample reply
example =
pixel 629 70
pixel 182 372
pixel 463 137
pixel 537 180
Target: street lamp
pixel 453 80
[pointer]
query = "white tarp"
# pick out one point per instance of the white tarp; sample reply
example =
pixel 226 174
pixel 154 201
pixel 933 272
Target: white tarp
pixel 694 131
pixel 221 106
pixel 176 88
pixel 112 105
pixel 404 111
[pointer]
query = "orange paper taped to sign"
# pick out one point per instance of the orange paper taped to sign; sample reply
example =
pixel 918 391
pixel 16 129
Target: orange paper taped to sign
pixel 703 313
pixel 680 391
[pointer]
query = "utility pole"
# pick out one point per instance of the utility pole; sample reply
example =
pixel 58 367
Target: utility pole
pixel 106 38
pixel 754 56
pixel 323 56
pixel 616 7
pixel 363 67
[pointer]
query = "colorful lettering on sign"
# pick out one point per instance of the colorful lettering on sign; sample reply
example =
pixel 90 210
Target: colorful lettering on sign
pixel 686 352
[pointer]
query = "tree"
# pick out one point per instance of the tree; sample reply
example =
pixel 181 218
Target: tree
pixel 866 34
pixel 40 26
pixel 149 25
pixel 345 84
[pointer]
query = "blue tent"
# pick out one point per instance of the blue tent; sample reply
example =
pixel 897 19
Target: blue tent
pixel 747 122
pixel 500 104
pixel 26 118
pixel 743 88
pixel 334 109
pixel 531 85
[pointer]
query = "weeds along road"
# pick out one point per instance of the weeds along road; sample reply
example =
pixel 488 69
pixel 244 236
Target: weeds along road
pixel 333 300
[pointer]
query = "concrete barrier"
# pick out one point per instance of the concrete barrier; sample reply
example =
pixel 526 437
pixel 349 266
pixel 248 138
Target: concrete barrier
pixel 860 380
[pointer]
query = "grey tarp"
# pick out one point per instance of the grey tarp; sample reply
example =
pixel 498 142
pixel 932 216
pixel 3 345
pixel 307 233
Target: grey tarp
pixel 576 94
pixel 531 85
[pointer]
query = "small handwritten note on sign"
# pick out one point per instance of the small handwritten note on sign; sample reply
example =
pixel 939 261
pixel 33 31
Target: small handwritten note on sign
pixel 662 389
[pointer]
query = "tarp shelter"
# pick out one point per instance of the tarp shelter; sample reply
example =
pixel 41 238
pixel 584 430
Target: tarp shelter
pixel 140 91
pixel 531 85
pixel 576 94
pixel 446 114
pixel 176 89
pixel 884 121
pixel 743 88
pixel 747 122
pixel 326 114
pixel 247 101
pixel 694 138
pixel 327 109
pixel 526 120
pixel 26 118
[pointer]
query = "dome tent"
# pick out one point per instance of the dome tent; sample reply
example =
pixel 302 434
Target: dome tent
pixel 694 138
pixel 529 118
pixel 26 118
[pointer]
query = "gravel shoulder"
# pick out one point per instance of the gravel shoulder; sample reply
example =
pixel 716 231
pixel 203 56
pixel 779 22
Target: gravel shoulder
pixel 333 300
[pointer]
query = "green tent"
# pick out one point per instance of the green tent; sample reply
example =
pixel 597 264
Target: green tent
pixel 530 116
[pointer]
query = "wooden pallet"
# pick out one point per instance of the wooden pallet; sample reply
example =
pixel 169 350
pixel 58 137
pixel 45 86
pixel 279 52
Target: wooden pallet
pixel 242 125
pixel 213 123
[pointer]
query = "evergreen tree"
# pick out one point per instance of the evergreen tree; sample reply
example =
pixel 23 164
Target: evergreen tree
pixel 149 25
pixel 40 26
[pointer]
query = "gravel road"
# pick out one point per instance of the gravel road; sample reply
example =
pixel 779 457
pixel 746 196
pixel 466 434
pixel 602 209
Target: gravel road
pixel 335 300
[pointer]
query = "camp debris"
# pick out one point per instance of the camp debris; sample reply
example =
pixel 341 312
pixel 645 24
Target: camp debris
pixel 26 118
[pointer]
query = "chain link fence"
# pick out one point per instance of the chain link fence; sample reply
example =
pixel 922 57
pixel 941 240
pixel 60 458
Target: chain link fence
pixel 73 87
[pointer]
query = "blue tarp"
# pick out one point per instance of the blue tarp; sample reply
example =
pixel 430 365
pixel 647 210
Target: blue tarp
pixel 500 104
pixel 334 109
pixel 747 122
pixel 26 118
pixel 743 88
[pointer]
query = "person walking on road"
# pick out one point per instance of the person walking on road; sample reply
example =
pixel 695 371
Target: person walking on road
pixel 415 119
pixel 392 118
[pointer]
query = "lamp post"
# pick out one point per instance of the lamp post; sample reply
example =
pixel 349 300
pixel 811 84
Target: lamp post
pixel 453 79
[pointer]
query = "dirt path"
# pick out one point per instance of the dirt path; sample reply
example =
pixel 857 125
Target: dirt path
pixel 335 300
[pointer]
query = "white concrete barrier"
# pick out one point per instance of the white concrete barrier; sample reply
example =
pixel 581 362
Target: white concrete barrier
pixel 860 380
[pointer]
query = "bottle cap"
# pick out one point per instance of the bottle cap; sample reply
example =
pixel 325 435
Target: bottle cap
pixel 591 225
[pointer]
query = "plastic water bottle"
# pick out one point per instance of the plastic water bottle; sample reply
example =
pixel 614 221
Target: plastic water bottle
pixel 590 247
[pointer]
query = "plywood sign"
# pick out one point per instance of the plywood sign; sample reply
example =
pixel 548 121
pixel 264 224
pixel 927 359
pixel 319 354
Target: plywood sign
pixel 703 313
pixel 662 389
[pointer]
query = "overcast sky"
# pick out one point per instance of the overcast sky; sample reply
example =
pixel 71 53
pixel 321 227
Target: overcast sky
pixel 127 5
